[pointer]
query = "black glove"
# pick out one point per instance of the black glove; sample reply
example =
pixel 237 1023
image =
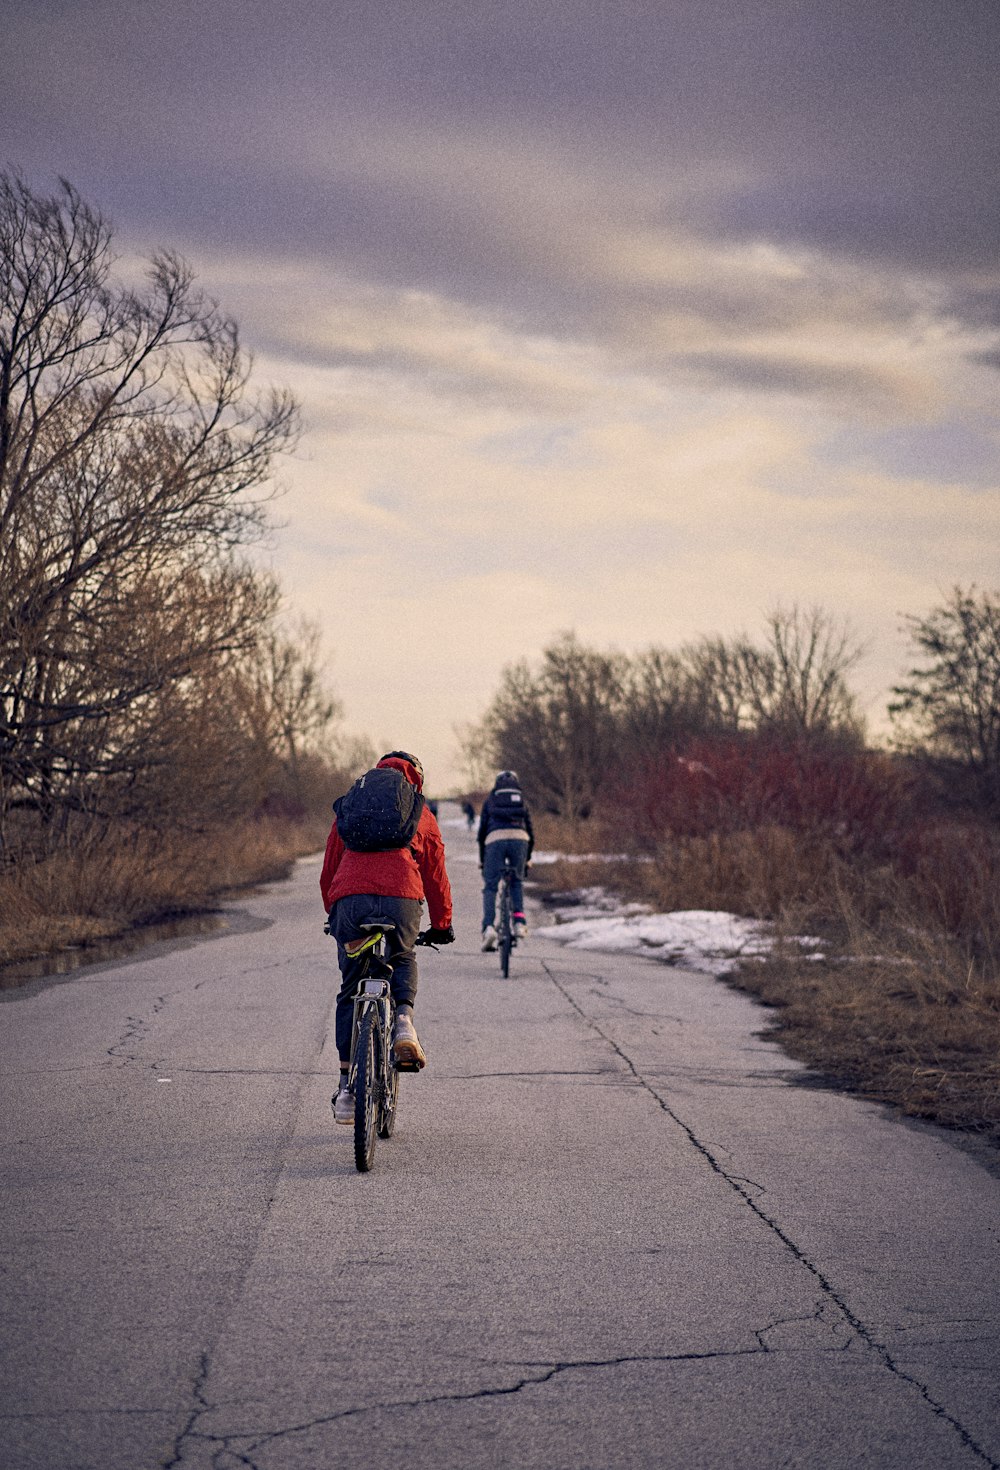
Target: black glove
pixel 441 936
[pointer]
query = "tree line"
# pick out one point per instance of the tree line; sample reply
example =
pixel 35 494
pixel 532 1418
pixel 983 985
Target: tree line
pixel 582 720
pixel 145 673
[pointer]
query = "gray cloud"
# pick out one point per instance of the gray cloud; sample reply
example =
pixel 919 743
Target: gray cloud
pixel 775 374
pixel 714 282
pixel 871 129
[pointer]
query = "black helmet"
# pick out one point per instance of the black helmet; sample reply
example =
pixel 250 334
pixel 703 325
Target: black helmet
pixel 404 755
pixel 506 778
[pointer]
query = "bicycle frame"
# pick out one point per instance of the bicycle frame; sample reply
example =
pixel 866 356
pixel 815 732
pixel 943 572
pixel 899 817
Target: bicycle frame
pixel 372 1071
pixel 371 995
pixel 372 1074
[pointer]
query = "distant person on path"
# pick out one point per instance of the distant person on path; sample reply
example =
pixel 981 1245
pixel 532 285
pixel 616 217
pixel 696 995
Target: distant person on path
pixel 504 832
pixel 389 883
pixel 470 813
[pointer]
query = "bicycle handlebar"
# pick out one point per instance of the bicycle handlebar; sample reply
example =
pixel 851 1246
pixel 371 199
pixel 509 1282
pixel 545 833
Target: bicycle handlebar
pixel 432 938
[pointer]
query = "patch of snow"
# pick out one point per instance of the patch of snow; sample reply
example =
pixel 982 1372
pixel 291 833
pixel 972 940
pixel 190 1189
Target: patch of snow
pixel 594 903
pixel 708 941
pixel 587 857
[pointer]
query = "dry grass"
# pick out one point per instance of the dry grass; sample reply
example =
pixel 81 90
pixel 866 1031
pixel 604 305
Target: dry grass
pixel 914 1024
pixel 905 1008
pixel 756 873
pixel 98 890
pixel 555 834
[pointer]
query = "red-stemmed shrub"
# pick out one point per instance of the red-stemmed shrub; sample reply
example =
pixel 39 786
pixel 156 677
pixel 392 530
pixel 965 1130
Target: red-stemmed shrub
pixel 860 800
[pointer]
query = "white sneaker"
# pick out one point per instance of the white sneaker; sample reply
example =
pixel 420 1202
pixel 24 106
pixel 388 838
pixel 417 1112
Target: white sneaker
pixel 343 1106
pixel 520 929
pixel 489 939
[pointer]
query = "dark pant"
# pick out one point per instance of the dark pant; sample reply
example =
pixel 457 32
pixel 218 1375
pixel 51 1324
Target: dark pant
pixel 346 918
pixel 494 855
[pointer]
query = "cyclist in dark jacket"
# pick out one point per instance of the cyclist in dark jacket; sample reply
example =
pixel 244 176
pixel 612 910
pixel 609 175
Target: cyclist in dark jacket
pixel 505 832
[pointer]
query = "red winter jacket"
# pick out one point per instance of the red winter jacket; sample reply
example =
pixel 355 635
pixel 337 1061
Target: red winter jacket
pixel 416 871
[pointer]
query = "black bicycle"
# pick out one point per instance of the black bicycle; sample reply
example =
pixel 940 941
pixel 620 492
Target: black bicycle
pixel 373 1074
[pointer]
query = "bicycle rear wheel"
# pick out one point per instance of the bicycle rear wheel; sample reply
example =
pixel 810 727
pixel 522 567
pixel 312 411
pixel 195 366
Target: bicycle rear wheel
pixel 366 1091
pixel 390 1091
pixel 506 937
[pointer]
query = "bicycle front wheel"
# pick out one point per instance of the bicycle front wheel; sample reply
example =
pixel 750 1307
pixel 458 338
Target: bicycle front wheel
pixel 366 1091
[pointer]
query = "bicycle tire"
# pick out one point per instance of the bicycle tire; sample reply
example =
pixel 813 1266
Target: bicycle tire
pixel 366 1090
pixel 390 1089
pixel 506 935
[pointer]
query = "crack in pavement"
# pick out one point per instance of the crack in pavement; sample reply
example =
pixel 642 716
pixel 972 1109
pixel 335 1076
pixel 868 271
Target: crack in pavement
pixel 251 970
pixel 201 1405
pixel 878 1349
pixel 135 1031
pixel 241 1447
pixel 623 1008
pixel 136 1027
pixel 819 1316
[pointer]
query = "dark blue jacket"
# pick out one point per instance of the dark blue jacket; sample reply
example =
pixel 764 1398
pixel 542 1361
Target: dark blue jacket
pixel 498 815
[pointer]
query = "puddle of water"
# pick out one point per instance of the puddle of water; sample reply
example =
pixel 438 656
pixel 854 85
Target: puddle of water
pixel 154 939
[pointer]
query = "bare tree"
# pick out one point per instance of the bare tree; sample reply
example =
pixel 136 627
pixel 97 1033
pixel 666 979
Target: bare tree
pixel 558 727
pixel 723 671
pixel 134 459
pixel 476 759
pixel 285 706
pixel 794 683
pixel 811 654
pixel 663 702
pixel 949 707
pixel 583 718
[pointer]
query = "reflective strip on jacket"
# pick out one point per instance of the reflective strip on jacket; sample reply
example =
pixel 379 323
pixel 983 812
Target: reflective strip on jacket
pixel 509 822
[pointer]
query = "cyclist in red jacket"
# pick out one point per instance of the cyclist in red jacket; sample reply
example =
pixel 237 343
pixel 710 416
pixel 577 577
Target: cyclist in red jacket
pixel 358 887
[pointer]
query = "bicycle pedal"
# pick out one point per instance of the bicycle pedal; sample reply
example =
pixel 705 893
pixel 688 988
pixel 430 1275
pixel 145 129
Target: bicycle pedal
pixel 407 1066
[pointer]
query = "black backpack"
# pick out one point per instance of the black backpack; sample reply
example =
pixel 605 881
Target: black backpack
pixel 507 803
pixel 380 812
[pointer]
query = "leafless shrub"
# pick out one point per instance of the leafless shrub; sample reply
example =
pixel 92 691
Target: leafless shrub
pixel 103 886
pixel 583 718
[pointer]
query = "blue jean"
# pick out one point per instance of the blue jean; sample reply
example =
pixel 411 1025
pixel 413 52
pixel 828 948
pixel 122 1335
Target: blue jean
pixel 494 856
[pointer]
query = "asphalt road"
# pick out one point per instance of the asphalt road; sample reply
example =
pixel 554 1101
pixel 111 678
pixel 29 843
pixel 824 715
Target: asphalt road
pixel 610 1229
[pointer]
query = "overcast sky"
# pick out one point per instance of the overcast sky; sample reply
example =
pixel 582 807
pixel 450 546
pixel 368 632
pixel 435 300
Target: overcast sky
pixel 634 319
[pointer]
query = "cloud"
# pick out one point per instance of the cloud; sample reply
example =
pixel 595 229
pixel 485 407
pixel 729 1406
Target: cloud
pixel 634 319
pixel 855 128
pixel 650 314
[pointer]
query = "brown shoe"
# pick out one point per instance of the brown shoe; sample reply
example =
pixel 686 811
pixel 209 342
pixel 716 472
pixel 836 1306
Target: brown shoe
pixel 406 1047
